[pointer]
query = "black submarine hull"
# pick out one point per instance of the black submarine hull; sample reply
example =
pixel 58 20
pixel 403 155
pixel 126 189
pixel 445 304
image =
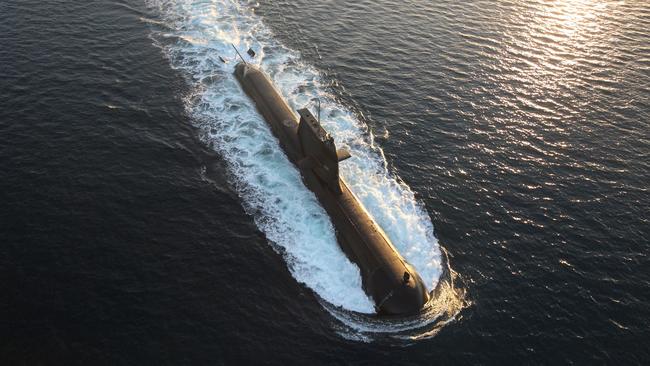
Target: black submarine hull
pixel 393 284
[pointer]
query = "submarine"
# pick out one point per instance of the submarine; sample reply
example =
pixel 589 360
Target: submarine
pixel 393 284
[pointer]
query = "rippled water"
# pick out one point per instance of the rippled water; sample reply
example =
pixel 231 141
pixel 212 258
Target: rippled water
pixel 519 127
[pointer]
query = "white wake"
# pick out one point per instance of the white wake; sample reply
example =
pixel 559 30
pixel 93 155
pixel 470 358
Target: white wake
pixel 193 36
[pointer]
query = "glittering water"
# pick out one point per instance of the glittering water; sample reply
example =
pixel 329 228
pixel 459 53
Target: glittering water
pixel 519 127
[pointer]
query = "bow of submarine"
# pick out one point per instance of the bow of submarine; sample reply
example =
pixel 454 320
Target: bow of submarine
pixel 392 283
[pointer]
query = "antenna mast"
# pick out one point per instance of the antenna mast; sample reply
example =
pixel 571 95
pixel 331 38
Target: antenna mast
pixel 233 46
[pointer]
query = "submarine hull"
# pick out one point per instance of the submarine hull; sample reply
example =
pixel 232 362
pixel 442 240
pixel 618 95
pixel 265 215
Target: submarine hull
pixel 393 284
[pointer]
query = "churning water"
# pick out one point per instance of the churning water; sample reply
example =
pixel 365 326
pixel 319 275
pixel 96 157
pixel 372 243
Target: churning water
pixel 194 36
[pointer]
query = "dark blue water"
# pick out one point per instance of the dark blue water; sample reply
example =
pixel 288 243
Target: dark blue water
pixel 522 128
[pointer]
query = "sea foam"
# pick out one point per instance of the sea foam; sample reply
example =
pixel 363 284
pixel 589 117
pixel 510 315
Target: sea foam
pixel 194 35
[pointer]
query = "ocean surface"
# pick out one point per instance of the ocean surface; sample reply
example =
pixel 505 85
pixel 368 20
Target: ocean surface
pixel 148 216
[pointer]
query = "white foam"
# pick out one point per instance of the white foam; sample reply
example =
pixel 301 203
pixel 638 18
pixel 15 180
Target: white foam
pixel 196 34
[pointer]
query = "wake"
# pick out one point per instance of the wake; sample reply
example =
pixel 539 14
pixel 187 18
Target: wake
pixel 194 35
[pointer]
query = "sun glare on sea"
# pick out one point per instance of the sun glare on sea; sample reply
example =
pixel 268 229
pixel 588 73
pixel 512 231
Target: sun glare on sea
pixel 557 34
pixel 570 16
